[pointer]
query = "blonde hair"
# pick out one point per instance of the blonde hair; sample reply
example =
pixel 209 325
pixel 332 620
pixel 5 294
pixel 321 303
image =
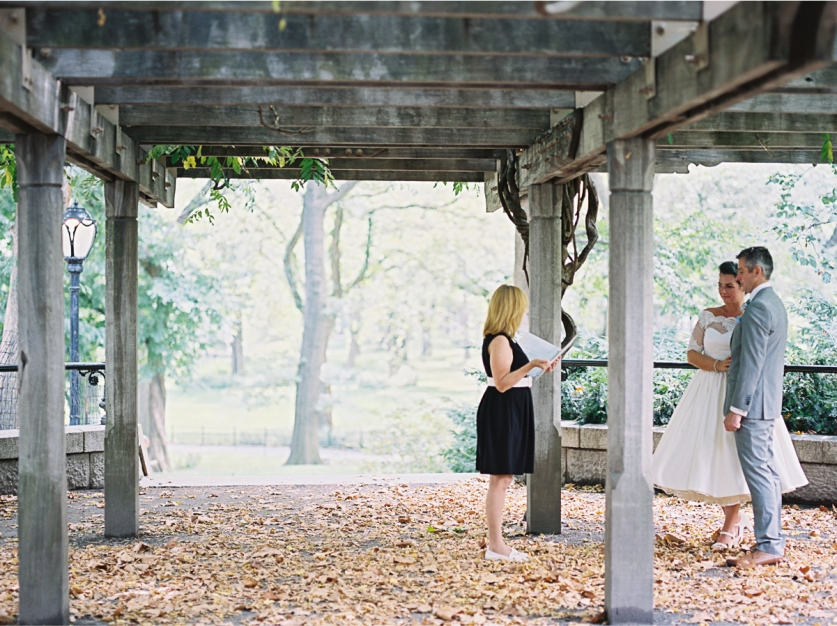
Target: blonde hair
pixel 505 311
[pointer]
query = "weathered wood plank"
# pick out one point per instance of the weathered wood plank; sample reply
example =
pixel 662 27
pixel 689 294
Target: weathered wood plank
pixel 330 117
pixel 765 140
pixel 364 152
pixel 819 103
pixel 49 107
pixel 42 490
pixel 121 444
pixel 381 175
pixel 102 67
pixel 750 52
pixel 338 97
pixel 766 122
pixel 819 81
pixel 630 10
pixel 398 165
pixel 350 137
pixel 718 155
pixel 62 27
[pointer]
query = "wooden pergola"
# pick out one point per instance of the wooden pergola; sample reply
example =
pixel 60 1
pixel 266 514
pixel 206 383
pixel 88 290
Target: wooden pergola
pixel 404 91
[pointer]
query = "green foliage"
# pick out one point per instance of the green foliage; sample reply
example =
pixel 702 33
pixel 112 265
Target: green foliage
pixel 584 389
pixel 8 169
pixel 310 169
pixel 801 222
pixel 458 188
pixel 461 454
pixel 412 441
pixel 827 151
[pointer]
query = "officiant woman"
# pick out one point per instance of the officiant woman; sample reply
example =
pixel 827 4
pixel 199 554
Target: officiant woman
pixel 506 415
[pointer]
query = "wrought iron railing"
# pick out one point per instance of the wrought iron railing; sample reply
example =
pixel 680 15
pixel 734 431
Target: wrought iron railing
pixel 675 365
pixel 90 409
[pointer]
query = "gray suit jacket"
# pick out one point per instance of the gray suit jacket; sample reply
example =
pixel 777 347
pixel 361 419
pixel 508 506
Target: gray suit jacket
pixel 758 343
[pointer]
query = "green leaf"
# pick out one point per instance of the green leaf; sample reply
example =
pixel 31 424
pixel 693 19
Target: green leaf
pixel 670 139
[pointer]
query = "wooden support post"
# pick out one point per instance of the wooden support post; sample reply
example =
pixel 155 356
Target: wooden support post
pixel 629 525
pixel 543 512
pixel 121 442
pixel 42 491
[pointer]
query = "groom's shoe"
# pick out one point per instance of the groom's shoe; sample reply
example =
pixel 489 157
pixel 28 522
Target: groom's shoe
pixel 754 559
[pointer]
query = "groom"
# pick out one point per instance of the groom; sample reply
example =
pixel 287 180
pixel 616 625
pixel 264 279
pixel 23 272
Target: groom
pixel 754 400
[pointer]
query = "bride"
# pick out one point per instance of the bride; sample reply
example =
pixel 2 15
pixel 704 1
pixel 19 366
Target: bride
pixel 696 458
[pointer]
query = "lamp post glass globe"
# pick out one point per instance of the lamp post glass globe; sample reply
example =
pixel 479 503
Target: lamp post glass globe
pixel 78 233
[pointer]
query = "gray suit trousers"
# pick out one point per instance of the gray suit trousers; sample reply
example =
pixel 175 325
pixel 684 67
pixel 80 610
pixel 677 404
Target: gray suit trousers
pixel 755 451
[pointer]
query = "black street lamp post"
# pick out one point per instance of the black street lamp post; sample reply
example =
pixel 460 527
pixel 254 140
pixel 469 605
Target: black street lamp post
pixel 78 234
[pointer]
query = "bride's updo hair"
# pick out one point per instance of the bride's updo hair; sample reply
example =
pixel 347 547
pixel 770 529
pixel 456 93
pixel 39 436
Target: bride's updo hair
pixel 729 268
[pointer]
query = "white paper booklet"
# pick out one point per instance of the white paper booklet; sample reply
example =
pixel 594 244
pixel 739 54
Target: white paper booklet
pixel 536 348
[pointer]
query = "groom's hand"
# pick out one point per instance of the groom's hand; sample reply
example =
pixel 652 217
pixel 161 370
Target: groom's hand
pixel 732 422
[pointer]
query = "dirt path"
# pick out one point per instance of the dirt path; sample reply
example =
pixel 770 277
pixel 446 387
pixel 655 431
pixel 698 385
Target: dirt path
pixel 384 554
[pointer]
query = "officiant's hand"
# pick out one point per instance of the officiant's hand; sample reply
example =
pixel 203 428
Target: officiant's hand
pixel 541 363
pixel 553 364
pixel 732 422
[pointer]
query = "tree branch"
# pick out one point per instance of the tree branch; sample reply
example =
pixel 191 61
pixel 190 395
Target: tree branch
pixel 362 274
pixel 195 203
pixel 334 253
pixel 289 267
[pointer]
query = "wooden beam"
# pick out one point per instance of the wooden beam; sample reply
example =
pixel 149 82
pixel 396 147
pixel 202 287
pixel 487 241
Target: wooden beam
pixel 716 156
pixel 102 67
pixel 766 123
pixel 397 165
pixel 330 117
pixel 819 81
pixel 350 137
pixel 72 27
pixel 363 152
pixel 627 11
pixel 766 140
pixel 810 104
pixel 381 175
pixel 95 144
pixel 753 47
pixel 338 97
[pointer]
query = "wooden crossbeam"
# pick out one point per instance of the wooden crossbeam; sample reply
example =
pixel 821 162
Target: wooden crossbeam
pixel 765 140
pixel 331 117
pixel 396 165
pixel 721 155
pixel 752 48
pixel 337 97
pixel 820 81
pixel 103 67
pixel 627 11
pixel 353 174
pixel 62 27
pixel 349 137
pixel 363 152
pixel 815 103
pixel 766 123
pixel 93 142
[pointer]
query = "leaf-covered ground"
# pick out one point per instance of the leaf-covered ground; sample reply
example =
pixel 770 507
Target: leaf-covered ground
pixel 392 553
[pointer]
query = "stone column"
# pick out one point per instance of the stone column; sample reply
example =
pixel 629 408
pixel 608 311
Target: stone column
pixel 629 526
pixel 42 490
pixel 121 444
pixel 543 512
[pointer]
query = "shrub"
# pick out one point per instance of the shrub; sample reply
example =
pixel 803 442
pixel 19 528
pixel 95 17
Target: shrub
pixel 461 454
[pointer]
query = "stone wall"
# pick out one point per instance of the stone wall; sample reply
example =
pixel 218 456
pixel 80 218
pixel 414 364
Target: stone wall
pixel 584 460
pixel 85 458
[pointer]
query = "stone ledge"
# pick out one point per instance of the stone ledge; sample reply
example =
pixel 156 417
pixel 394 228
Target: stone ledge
pixel 584 460
pixel 78 439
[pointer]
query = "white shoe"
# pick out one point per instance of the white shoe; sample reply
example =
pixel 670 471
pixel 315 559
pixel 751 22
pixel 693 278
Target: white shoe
pixel 514 555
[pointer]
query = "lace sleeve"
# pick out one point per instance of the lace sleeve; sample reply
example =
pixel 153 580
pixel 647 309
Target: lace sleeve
pixel 696 341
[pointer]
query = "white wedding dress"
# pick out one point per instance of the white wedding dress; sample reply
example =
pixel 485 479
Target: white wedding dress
pixel 696 458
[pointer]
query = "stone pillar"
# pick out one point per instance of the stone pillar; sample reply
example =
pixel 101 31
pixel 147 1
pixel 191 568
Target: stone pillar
pixel 121 443
pixel 42 490
pixel 543 512
pixel 629 530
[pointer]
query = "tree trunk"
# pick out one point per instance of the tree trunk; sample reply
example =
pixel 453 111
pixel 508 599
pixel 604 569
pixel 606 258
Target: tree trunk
pixel 354 345
pixel 9 350
pixel 317 327
pixel 158 448
pixel 238 350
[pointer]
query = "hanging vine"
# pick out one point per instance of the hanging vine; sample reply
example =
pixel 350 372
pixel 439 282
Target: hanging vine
pixel 310 169
pixel 579 199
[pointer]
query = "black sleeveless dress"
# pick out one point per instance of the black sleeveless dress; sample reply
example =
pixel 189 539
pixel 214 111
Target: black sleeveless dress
pixel 506 423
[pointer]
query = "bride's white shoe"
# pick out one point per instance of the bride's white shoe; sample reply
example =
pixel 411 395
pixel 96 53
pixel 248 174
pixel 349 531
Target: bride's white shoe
pixel 742 525
pixel 514 555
